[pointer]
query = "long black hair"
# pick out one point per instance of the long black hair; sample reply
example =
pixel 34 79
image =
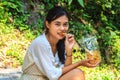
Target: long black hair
pixel 54 13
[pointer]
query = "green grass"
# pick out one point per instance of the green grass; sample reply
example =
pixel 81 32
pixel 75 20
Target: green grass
pixel 13 45
pixel 101 72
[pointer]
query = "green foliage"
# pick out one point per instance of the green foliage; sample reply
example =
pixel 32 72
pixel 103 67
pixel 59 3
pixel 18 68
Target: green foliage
pixel 81 2
pixel 12 12
pixel 11 16
pixel 101 73
pixel 79 29
pixel 116 49
pixel 13 44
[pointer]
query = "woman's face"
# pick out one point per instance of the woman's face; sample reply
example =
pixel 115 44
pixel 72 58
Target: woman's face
pixel 58 27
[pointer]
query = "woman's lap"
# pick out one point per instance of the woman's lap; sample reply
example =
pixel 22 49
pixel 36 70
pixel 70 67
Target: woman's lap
pixel 75 74
pixel 32 77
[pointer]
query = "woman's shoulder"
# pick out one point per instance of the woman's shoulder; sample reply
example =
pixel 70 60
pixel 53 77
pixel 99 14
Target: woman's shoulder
pixel 40 37
pixel 40 40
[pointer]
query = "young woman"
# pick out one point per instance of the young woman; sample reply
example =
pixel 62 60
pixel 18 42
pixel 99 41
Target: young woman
pixel 49 56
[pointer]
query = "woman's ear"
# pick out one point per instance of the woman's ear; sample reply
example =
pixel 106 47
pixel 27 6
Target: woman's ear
pixel 47 24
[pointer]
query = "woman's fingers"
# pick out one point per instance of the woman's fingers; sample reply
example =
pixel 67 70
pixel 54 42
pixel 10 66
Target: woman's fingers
pixel 69 37
pixel 93 65
pixel 88 64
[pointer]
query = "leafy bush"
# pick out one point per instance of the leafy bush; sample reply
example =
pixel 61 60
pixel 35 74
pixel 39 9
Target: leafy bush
pixel 13 45
pixel 12 12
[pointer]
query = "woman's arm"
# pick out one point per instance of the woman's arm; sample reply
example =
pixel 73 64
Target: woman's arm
pixel 68 60
pixel 69 55
pixel 69 43
pixel 85 63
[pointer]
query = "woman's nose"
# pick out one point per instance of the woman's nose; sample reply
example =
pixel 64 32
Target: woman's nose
pixel 62 28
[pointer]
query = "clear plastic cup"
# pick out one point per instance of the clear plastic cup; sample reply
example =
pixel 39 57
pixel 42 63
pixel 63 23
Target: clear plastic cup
pixel 92 52
pixel 94 56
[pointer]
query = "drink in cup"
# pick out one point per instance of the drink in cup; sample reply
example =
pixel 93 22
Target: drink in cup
pixel 94 56
pixel 91 49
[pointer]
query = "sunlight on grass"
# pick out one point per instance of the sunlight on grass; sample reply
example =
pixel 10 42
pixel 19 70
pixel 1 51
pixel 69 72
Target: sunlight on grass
pixel 101 72
pixel 13 46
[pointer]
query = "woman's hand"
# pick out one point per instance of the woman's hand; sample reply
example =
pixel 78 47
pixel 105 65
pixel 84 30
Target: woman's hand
pixel 87 63
pixel 69 43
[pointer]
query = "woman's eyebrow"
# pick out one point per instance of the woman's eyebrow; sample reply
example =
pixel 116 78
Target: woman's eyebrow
pixel 66 22
pixel 60 22
pixel 57 22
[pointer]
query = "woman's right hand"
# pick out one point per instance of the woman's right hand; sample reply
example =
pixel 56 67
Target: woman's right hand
pixel 87 63
pixel 69 43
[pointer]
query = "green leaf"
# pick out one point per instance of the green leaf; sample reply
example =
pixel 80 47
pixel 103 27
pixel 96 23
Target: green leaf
pixel 69 2
pixel 81 2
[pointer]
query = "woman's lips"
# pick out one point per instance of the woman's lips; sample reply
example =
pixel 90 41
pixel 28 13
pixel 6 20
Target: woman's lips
pixel 63 33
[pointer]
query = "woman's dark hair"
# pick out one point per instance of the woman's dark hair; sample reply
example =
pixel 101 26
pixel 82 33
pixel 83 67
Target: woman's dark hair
pixel 53 14
pixel 61 50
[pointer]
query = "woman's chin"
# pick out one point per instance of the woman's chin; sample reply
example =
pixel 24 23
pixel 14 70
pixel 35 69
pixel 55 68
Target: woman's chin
pixel 60 36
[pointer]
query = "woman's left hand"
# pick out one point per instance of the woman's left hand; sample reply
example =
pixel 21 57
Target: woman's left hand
pixel 87 63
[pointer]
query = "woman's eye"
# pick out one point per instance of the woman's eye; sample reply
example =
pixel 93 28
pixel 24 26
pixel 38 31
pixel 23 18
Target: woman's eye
pixel 66 25
pixel 57 24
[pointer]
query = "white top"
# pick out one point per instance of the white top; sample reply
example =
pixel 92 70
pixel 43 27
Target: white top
pixel 48 64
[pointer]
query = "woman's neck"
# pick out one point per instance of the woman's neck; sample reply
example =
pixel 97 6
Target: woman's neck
pixel 53 43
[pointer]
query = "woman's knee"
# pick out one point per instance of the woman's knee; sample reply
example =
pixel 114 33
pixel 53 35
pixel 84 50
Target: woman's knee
pixel 78 74
pixel 75 74
pixel 79 71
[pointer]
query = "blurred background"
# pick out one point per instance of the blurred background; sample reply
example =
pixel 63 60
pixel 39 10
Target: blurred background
pixel 22 20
